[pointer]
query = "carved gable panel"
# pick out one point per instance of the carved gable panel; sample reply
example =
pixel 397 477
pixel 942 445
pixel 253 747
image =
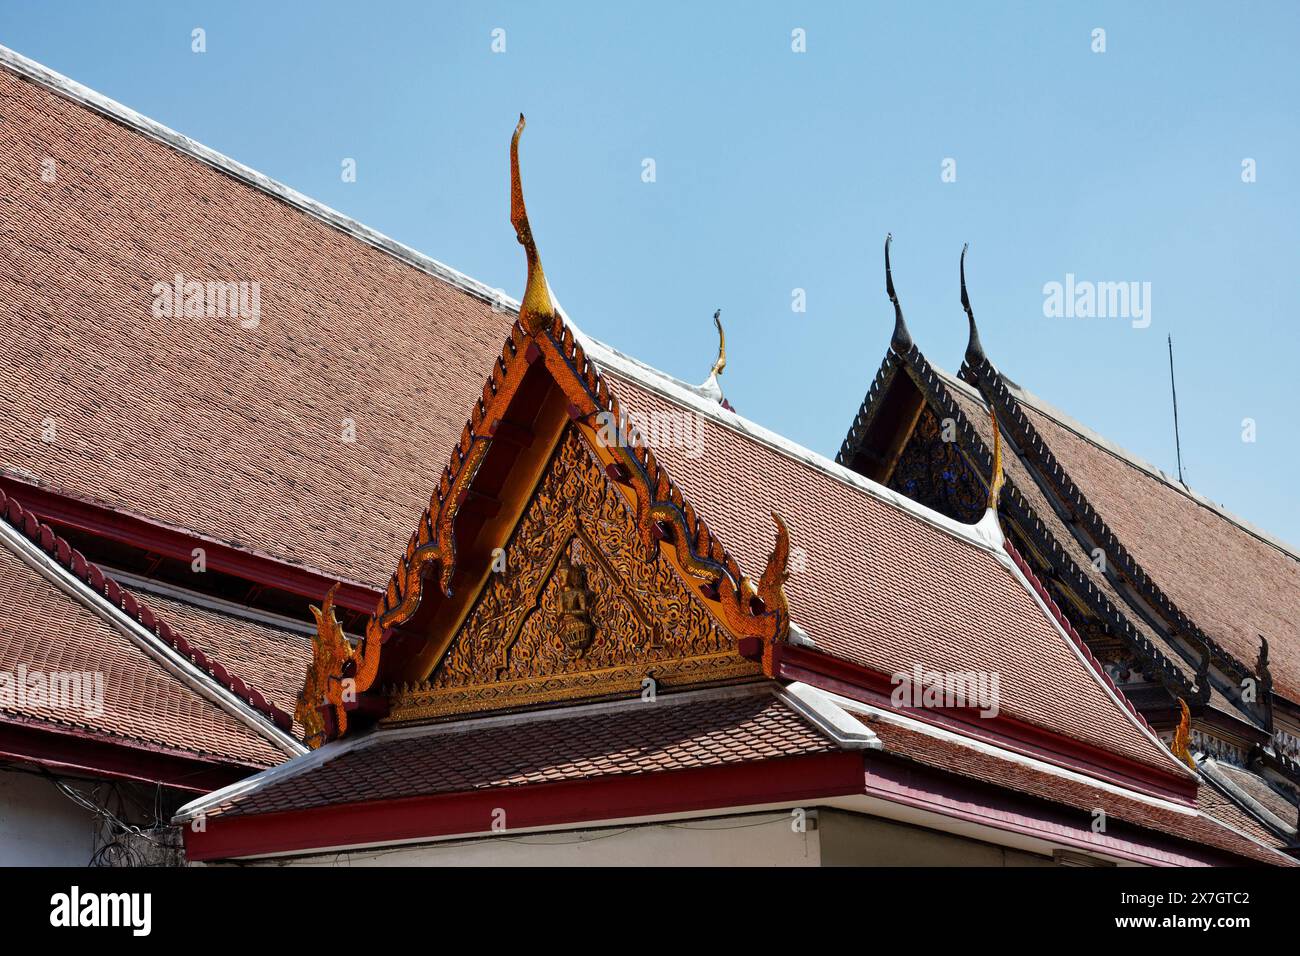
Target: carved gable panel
pixel 578 610
pixel 932 471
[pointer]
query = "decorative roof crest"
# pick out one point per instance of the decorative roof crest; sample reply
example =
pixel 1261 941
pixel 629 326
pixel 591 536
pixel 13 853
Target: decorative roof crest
pixel 901 341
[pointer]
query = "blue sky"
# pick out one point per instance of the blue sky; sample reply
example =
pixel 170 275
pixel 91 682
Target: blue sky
pixel 777 170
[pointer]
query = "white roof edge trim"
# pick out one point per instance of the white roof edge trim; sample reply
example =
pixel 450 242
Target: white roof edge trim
pixel 821 710
pixel 910 723
pixel 337 748
pixel 1107 688
pixel 71 89
pixel 1210 767
pixel 163 654
pixel 197 599
pixel 668 387
pixel 1027 397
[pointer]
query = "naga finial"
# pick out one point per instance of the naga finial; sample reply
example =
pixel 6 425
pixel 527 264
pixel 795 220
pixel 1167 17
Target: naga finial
pixel 1182 742
pixel 536 311
pixel 326 684
pixel 771 586
pixel 902 338
pixel 974 349
pixel 721 363
pixel 998 477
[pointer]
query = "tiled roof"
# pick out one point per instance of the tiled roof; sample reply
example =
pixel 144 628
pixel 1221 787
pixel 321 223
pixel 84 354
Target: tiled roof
pixel 274 659
pixel 636 738
pixel 876 584
pixel 1018 474
pixel 42 629
pixel 200 423
pixel 1258 789
pixel 1225 809
pixel 953 757
pixel 1231 583
pixel 45 629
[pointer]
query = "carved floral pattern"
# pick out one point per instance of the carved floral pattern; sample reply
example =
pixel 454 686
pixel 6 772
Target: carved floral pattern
pixel 640 611
pixel 933 472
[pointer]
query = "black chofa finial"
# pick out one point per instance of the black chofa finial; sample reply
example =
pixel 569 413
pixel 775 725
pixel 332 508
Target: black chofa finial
pixel 901 341
pixel 974 348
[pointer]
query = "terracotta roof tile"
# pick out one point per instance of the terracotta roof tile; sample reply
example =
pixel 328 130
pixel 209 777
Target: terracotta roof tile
pixel 1258 789
pixel 879 586
pixel 200 423
pixel 636 739
pixel 953 757
pixel 1018 474
pixel 1228 581
pixel 272 659
pixel 43 629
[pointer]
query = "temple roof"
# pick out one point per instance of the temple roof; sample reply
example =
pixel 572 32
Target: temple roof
pixel 235 434
pixel 62 614
pixel 677 732
pixel 765 727
pixel 1235 582
pixel 231 433
pixel 954 756
pixel 882 581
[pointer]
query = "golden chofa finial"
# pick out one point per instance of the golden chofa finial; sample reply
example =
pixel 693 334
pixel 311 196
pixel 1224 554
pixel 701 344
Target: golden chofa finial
pixel 721 363
pixel 1182 742
pixel 998 476
pixel 710 388
pixel 536 312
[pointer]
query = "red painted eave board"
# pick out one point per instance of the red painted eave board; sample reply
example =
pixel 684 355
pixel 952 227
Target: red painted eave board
pixel 66 511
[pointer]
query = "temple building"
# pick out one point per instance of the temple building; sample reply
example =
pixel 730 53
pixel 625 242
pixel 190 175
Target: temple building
pixel 624 625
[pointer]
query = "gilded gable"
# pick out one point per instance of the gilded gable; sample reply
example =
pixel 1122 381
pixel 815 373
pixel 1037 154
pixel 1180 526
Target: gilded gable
pixel 572 608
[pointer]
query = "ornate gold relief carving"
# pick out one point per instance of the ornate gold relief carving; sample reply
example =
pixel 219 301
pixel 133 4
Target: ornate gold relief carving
pixel 579 610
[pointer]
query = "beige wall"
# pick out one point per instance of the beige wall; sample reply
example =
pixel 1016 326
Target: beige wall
pixel 852 839
pixel 832 838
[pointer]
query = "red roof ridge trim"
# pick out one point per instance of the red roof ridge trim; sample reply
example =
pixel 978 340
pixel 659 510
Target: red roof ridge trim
pixel 868 713
pixel 92 575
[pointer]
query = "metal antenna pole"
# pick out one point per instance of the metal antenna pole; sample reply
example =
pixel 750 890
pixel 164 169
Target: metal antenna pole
pixel 1178 445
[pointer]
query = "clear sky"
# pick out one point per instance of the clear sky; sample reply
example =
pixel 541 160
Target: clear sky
pixel 777 170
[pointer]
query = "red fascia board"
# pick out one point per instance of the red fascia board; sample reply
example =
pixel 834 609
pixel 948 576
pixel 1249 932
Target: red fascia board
pixel 86 754
pixel 873 687
pixel 903 782
pixel 171 542
pixel 542 805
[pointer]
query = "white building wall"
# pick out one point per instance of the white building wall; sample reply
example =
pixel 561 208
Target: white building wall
pixel 39 826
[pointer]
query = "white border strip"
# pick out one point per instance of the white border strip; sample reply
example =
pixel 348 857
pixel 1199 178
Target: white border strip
pixel 211 604
pixel 1033 763
pixel 821 710
pixel 1107 688
pixel 164 654
pixel 1210 767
